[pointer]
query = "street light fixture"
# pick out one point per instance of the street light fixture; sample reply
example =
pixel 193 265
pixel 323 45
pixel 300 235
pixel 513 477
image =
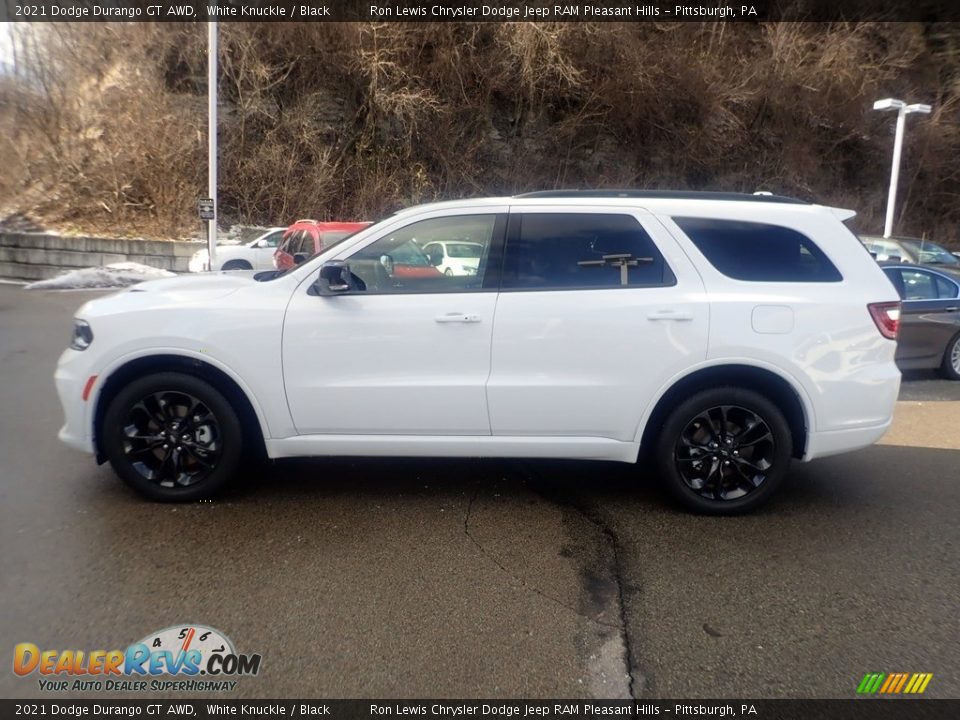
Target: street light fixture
pixel 902 111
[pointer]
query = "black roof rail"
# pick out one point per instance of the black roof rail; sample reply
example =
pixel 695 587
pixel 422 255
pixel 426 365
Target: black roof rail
pixel 664 194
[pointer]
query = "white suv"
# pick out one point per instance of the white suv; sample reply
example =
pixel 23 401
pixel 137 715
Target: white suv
pixel 724 334
pixel 254 255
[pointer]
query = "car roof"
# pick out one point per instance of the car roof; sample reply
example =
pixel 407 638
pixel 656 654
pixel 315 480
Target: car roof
pixel 329 226
pixel 673 201
pixel 666 195
pixel 947 270
pixel 897 238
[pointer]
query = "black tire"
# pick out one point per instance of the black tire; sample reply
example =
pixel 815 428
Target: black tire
pixel 172 437
pixel 724 451
pixel 237 265
pixel 951 359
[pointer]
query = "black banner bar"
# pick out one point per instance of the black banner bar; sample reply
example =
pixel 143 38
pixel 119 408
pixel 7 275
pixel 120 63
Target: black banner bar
pixel 859 709
pixel 477 11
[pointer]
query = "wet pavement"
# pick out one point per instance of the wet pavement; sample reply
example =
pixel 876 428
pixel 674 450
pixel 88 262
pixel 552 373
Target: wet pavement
pixel 406 578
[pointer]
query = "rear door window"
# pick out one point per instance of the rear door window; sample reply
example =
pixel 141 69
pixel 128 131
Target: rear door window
pixel 920 285
pixel 581 251
pixel 759 252
pixel 329 239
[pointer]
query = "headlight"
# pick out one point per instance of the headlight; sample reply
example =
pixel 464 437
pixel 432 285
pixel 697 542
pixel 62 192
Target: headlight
pixel 82 335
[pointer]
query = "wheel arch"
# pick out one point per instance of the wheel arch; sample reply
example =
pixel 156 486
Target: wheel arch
pixel 250 417
pixel 946 359
pixel 237 264
pixel 781 391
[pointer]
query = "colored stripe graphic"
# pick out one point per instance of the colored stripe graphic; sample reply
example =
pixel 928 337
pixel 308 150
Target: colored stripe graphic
pixel 918 683
pixel 870 683
pixel 894 683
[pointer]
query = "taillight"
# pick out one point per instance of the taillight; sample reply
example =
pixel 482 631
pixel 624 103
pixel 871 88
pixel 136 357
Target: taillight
pixel 887 317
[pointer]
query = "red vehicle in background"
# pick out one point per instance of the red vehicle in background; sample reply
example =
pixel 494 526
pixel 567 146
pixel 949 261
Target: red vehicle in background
pixel 306 238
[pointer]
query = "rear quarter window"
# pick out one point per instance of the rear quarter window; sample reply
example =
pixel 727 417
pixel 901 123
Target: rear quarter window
pixel 759 252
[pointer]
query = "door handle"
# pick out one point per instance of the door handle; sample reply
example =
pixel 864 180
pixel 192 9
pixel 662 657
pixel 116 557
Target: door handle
pixel 669 315
pixel 457 318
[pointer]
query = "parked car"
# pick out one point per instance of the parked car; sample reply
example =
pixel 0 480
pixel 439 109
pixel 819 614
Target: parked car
pixel 254 255
pixel 909 250
pixel 454 257
pixel 721 334
pixel 305 238
pixel 929 332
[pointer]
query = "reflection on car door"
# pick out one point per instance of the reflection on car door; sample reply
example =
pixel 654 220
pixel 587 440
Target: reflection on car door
pixel 403 353
pixel 597 311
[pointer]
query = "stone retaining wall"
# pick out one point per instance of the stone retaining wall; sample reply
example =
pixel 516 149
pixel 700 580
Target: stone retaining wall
pixel 38 256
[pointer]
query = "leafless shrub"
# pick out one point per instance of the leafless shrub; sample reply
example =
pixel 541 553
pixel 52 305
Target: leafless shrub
pixel 353 120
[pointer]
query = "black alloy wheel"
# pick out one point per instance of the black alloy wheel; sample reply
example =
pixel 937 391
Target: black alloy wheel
pixel 173 437
pixel 724 451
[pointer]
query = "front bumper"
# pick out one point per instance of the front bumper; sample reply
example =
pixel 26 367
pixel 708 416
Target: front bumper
pixel 70 377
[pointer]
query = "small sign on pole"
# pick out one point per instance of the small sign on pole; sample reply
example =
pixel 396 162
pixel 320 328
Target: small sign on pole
pixel 207 209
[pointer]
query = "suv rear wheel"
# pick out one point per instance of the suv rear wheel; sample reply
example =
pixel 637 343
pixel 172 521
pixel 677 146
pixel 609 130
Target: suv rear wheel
pixel 172 437
pixel 724 451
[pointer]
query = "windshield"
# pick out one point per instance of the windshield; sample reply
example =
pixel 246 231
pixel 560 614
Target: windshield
pixel 931 253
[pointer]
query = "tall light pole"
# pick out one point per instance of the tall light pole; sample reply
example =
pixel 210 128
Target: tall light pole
pixel 212 138
pixel 902 111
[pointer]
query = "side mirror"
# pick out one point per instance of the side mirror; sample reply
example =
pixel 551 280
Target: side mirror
pixel 299 259
pixel 334 278
pixel 435 258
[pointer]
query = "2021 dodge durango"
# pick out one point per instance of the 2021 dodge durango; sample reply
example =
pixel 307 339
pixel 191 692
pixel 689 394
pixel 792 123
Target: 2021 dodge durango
pixel 724 334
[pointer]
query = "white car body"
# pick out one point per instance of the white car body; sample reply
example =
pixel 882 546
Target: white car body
pixel 556 373
pixel 453 264
pixel 254 255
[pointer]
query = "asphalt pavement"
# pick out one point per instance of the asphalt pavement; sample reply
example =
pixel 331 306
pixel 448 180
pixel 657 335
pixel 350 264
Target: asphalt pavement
pixel 418 578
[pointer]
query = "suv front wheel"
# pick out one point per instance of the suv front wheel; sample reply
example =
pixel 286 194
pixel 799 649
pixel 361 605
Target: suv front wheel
pixel 172 437
pixel 724 451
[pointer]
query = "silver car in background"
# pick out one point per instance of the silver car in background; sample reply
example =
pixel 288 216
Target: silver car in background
pixel 915 251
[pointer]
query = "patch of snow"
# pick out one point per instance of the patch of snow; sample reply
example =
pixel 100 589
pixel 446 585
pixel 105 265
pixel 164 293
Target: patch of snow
pixel 114 275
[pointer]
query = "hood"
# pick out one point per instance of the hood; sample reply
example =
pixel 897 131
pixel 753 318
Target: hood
pixel 208 284
pixel 184 290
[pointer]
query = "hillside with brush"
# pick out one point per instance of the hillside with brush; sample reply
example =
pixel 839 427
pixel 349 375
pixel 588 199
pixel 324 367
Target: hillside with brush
pixel 104 125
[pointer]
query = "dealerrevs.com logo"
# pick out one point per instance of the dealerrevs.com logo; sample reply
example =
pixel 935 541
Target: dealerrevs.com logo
pixel 185 657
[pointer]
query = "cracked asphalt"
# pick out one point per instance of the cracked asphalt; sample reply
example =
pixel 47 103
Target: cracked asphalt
pixel 414 578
